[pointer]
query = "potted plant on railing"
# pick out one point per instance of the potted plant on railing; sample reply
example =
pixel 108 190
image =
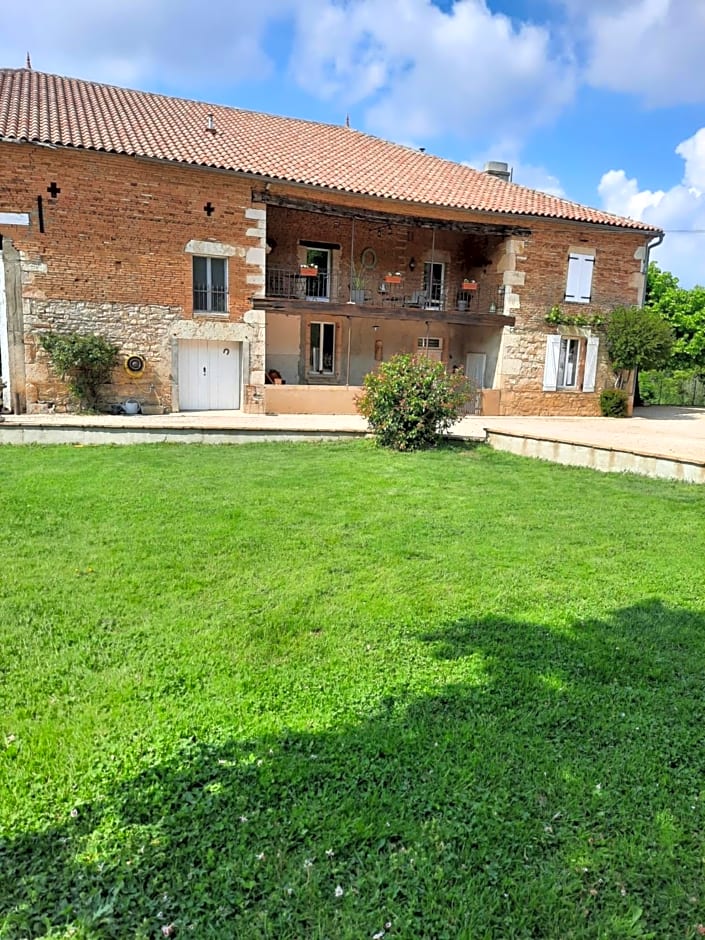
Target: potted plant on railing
pixel 468 283
pixel 357 286
pixel 308 270
pixel 392 278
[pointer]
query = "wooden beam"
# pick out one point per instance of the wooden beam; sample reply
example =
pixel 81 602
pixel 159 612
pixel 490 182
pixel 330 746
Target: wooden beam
pixel 386 312
pixel 386 218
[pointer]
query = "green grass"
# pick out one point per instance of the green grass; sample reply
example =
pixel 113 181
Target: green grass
pixel 307 691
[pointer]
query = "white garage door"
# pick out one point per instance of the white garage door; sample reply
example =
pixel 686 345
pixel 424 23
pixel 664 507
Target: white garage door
pixel 209 375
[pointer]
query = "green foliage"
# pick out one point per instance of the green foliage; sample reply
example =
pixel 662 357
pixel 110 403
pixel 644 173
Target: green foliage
pixel 614 402
pixel 556 317
pixel 675 387
pixel 684 310
pixel 638 339
pixel 413 676
pixel 412 400
pixel 84 361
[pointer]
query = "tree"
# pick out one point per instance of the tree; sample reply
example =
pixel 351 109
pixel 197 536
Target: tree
pixel 410 401
pixel 84 361
pixel 638 339
pixel 684 310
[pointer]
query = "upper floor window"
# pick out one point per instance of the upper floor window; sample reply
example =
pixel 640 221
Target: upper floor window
pixel 578 288
pixel 210 285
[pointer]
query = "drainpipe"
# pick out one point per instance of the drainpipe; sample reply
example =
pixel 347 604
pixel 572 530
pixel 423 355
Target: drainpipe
pixel 347 374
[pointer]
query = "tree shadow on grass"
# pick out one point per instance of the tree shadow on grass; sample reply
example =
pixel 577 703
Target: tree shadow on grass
pixel 554 792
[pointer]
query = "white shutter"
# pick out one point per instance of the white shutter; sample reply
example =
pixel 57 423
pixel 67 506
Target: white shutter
pixel 550 369
pixel 591 364
pixel 578 287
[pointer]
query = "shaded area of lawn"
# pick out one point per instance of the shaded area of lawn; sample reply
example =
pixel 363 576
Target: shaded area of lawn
pixel 559 794
pixel 312 691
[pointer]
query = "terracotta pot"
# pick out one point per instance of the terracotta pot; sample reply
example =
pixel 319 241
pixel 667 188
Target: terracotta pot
pixel 307 270
pixel 469 285
pixel 392 279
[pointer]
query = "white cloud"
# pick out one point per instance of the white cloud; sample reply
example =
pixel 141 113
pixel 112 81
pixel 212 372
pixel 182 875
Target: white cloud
pixel 138 41
pixel 419 71
pixel 680 211
pixel 650 48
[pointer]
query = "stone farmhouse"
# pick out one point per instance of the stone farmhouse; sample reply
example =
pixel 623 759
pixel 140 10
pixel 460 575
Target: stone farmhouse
pixel 214 245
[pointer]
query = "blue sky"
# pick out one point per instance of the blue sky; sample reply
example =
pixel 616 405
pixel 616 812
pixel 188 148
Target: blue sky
pixel 602 102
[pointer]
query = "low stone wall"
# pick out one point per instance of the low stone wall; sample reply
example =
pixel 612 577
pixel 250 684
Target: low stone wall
pixel 334 400
pixel 311 399
pixel 563 403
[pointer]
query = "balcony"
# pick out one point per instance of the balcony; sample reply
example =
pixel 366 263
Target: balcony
pixel 390 295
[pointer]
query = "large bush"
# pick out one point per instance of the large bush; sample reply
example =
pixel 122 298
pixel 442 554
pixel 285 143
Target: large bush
pixel 411 401
pixel 84 361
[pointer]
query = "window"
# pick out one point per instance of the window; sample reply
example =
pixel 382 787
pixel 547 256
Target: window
pixel 433 278
pixel 322 359
pixel 578 287
pixel 430 347
pixel 563 356
pixel 210 285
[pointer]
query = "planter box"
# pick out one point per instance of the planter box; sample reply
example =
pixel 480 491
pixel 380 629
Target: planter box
pixel 392 279
pixel 308 270
pixel 469 285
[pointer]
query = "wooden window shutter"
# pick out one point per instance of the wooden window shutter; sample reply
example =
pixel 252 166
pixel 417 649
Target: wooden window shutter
pixel 593 344
pixel 550 369
pixel 578 287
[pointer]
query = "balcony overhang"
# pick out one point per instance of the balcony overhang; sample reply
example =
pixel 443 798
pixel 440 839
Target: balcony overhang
pixel 419 221
pixel 383 312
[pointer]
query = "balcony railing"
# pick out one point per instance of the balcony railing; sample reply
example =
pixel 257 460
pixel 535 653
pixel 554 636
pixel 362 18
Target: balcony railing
pixel 390 291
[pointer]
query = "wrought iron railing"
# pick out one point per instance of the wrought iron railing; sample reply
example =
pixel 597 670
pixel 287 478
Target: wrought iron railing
pixel 383 291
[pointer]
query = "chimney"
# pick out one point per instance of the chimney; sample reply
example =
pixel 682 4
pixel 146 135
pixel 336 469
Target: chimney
pixel 498 169
pixel 210 123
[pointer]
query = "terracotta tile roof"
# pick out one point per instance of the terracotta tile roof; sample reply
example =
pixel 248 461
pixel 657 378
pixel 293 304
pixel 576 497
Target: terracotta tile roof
pixel 50 109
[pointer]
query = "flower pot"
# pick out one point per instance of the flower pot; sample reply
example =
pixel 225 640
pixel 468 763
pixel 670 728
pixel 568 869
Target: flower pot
pixel 468 285
pixel 392 279
pixel 308 270
pixel 357 295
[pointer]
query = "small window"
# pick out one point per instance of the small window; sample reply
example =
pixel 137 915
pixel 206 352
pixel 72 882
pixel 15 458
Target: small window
pixel 210 285
pixel 322 359
pixel 578 287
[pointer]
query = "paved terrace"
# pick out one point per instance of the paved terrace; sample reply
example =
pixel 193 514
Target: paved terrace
pixel 666 442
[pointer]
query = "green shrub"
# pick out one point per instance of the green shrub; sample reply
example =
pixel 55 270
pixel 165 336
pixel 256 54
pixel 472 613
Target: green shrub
pixel 84 361
pixel 614 402
pixel 411 401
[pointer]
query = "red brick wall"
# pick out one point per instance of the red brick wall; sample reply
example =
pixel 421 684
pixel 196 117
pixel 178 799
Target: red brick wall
pixel 117 231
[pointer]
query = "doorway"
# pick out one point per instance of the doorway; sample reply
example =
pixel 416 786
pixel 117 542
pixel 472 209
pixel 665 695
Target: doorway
pixel 209 375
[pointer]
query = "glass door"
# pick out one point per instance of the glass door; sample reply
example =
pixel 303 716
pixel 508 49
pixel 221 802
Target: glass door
pixel 433 281
pixel 318 286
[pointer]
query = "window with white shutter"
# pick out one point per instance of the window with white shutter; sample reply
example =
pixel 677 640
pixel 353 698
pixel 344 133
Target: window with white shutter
pixel 563 357
pixel 590 364
pixel 550 369
pixel 578 288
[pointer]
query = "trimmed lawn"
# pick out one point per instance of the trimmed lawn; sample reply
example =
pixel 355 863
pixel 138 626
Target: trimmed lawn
pixel 326 691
